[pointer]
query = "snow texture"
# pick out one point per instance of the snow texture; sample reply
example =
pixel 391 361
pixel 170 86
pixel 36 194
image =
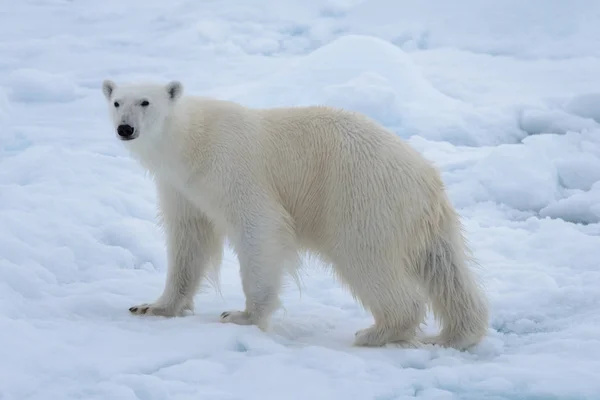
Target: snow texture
pixel 503 96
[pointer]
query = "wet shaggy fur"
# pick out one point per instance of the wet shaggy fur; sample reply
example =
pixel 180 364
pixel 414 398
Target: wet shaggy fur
pixel 279 182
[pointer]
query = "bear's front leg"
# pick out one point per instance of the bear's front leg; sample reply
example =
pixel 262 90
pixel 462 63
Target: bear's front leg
pixel 193 244
pixel 264 247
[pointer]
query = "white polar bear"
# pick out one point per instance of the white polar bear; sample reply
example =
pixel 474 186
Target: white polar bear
pixel 278 182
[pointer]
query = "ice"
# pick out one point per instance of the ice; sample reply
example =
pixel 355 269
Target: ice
pixel 503 97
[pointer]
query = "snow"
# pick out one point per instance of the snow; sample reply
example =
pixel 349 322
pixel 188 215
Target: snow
pixel 504 97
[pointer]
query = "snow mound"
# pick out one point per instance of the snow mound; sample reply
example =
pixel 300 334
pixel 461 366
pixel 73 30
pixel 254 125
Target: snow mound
pixel 572 114
pixel 576 157
pixel 585 105
pixel 31 85
pixel 555 175
pixel 383 83
pixel 578 170
pixel 575 154
pixel 335 64
pixel 544 120
pixel 580 208
pixel 519 176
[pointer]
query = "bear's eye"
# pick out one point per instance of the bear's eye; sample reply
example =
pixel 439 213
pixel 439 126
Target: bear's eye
pixel 116 103
pixel 145 103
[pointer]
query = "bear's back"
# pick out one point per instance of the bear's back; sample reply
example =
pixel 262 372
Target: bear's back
pixel 321 158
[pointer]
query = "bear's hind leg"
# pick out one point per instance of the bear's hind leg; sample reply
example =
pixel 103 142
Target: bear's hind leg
pixel 393 297
pixel 398 326
pixel 266 249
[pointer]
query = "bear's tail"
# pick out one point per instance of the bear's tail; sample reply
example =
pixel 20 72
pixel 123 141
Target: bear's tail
pixel 457 299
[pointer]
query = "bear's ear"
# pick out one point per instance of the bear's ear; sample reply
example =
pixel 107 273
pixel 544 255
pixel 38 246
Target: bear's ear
pixel 108 87
pixel 174 89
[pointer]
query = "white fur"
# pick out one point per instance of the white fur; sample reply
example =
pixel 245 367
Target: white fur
pixel 278 182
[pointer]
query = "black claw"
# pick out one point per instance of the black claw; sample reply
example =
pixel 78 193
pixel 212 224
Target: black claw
pixel 133 309
pixel 225 314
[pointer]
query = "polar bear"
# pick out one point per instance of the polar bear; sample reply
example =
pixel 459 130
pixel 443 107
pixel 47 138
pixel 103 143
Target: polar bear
pixel 282 182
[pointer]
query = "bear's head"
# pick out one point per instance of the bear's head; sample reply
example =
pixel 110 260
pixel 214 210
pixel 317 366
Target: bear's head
pixel 140 110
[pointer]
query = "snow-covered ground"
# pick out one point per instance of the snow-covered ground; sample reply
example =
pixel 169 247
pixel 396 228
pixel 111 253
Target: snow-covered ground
pixel 504 96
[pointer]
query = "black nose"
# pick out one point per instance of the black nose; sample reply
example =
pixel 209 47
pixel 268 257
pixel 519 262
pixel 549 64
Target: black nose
pixel 125 131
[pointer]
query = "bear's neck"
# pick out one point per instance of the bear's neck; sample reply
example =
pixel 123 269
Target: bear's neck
pixel 160 156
